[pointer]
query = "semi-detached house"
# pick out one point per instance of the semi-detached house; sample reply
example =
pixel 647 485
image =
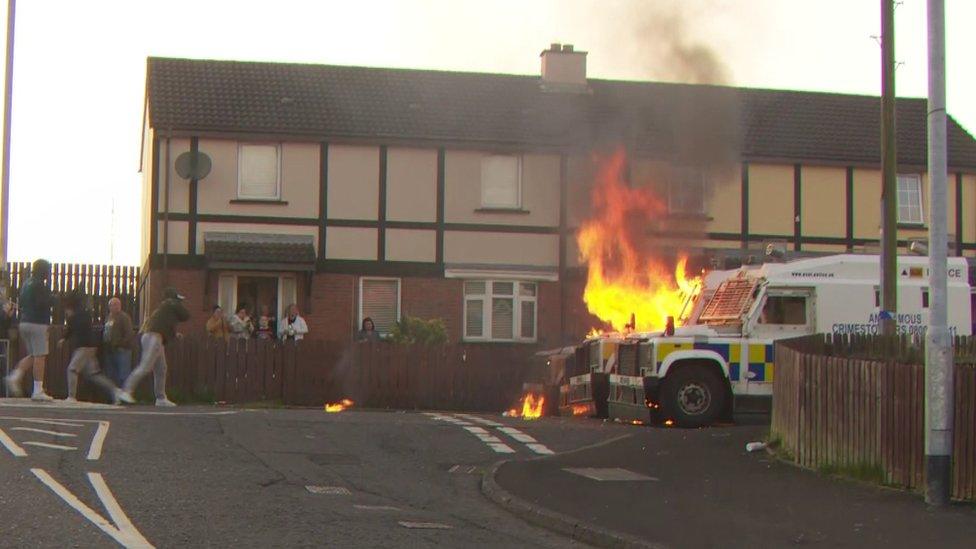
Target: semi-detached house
pixel 356 191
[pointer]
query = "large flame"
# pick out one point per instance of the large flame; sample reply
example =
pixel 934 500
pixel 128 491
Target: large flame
pixel 531 407
pixel 624 279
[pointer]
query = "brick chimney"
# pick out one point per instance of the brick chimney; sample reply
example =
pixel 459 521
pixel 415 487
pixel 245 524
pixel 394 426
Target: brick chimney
pixel 563 68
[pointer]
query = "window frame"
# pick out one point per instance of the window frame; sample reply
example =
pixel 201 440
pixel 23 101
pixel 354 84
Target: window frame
pixel 240 170
pixel 917 179
pixel 399 300
pixel 518 183
pixel 683 175
pixel 486 318
pixel 283 301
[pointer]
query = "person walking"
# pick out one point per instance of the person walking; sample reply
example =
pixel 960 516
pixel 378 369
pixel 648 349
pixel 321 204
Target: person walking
pixel 84 355
pixel 159 329
pixel 35 321
pixel 293 326
pixel 117 341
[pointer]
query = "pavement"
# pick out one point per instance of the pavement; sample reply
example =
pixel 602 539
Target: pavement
pixel 700 488
pixel 206 476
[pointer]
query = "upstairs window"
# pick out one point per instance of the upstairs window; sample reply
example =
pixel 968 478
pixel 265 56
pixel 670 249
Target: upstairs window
pixel 501 185
pixel 910 199
pixel 259 172
pixel 686 191
pixel 496 310
pixel 379 299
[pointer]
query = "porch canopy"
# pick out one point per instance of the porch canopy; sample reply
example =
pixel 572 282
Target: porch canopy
pixel 258 252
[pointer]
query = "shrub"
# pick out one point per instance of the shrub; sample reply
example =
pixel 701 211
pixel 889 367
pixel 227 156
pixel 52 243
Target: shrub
pixel 417 330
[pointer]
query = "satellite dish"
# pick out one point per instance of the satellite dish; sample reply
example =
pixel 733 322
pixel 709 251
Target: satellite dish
pixel 193 165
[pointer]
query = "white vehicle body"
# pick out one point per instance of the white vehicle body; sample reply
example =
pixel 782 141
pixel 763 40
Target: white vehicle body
pixel 741 313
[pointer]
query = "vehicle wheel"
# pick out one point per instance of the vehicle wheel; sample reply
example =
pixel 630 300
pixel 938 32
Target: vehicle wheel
pixel 693 396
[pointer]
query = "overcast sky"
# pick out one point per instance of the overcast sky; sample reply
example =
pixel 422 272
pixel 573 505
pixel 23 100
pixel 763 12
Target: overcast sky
pixel 80 72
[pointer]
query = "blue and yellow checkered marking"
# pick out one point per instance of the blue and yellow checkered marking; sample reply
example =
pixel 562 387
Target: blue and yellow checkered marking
pixel 760 357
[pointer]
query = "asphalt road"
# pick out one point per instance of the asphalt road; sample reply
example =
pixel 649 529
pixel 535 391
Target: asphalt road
pixel 214 477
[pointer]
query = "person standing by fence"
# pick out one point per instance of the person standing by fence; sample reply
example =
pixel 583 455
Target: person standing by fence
pixel 159 329
pixel 35 321
pixel 217 327
pixel 241 326
pixel 84 354
pixel 117 340
pixel 293 326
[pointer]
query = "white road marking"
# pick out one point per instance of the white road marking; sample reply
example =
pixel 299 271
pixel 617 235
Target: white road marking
pixel 124 533
pixel 480 420
pixel 328 490
pixel 11 446
pixel 540 449
pixel 95 450
pixel 517 435
pixel 47 421
pixel 530 442
pixel 424 525
pixel 43 432
pixel 501 448
pixel 488 438
pixel 476 430
pixel 376 507
pixel 51 446
pixel 609 474
pixel 115 511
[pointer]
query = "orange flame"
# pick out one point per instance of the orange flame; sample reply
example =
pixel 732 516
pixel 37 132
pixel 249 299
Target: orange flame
pixel 623 278
pixel 334 407
pixel 580 409
pixel 531 407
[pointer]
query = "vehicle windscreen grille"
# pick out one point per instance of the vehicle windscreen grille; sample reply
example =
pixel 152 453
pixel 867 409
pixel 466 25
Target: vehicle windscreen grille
pixel 732 299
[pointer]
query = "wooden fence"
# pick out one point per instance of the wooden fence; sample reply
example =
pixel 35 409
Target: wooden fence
pixel 101 282
pixel 313 372
pixel 853 403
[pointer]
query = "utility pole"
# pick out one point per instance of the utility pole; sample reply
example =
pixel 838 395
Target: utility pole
pixel 938 348
pixel 889 170
pixel 8 88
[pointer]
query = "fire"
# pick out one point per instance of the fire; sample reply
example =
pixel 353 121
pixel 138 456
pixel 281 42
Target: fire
pixel 333 407
pixel 580 409
pixel 624 281
pixel 669 423
pixel 531 407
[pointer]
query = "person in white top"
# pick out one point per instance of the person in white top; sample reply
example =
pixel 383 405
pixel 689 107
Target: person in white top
pixel 292 326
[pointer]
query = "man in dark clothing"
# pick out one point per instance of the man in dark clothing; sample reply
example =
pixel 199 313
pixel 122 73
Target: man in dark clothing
pixel 159 329
pixel 35 320
pixel 84 359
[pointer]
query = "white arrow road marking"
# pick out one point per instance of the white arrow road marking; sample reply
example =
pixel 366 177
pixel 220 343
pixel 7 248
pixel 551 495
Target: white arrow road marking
pixel 95 450
pixel 43 432
pixel 51 446
pixel 11 446
pixel 122 531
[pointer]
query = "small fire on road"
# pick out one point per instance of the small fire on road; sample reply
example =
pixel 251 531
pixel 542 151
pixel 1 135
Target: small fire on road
pixel 335 407
pixel 580 410
pixel 531 407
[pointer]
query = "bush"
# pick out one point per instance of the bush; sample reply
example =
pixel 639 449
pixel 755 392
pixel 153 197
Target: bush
pixel 417 330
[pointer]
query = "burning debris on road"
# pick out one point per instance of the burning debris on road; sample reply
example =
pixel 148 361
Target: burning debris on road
pixel 531 407
pixel 335 407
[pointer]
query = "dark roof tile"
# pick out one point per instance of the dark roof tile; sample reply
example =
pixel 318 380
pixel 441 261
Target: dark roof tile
pixel 657 118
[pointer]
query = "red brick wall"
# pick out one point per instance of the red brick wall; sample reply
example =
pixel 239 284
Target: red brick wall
pixel 334 300
pixel 333 307
pixel 430 298
pixel 188 282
